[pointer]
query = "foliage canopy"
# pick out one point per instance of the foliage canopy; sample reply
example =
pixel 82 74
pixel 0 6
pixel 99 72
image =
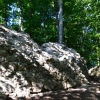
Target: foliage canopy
pixel 39 18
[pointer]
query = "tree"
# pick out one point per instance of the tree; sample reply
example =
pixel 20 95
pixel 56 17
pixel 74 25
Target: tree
pixel 47 20
pixel 60 22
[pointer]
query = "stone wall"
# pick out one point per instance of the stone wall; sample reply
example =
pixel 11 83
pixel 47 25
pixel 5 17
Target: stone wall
pixel 26 67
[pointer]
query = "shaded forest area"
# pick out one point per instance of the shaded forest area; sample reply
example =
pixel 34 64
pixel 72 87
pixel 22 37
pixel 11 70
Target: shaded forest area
pixel 40 19
pixel 52 70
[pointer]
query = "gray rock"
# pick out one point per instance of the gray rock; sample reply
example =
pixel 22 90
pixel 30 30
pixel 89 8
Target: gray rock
pixel 28 68
pixel 95 73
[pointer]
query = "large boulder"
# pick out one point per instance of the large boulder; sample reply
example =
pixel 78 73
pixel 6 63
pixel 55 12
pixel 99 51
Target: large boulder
pixel 28 68
pixel 95 73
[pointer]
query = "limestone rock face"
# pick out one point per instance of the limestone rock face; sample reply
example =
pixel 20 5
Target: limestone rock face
pixel 26 67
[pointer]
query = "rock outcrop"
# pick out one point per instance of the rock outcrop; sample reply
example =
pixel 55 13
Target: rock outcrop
pixel 28 68
pixel 95 73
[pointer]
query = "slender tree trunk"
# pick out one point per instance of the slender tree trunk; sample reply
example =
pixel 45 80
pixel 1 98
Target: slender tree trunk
pixel 44 21
pixel 56 16
pixel 98 60
pixel 20 24
pixel 21 15
pixel 60 40
pixel 44 27
pixel 5 13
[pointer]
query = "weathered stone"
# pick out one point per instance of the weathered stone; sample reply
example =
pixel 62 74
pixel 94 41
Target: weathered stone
pixel 95 73
pixel 25 66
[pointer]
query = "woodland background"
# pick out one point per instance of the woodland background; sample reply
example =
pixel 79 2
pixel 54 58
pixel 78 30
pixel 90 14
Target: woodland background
pixel 39 18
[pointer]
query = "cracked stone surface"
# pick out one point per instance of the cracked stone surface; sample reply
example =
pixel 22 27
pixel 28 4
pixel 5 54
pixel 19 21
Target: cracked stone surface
pixel 27 68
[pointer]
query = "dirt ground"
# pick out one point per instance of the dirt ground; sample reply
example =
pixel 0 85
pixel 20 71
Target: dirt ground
pixel 90 91
pixel 86 92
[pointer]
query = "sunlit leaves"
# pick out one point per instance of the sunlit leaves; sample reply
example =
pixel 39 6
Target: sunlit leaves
pixel 81 22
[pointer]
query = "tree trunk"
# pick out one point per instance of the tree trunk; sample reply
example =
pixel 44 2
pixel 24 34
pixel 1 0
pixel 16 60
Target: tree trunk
pixel 60 40
pixel 20 23
pixel 56 16
pixel 5 13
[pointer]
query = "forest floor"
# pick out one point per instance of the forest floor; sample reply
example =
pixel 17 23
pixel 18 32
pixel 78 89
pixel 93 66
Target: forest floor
pixel 86 92
pixel 90 91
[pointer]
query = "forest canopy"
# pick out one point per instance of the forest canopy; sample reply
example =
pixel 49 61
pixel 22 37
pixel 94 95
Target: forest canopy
pixel 39 18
